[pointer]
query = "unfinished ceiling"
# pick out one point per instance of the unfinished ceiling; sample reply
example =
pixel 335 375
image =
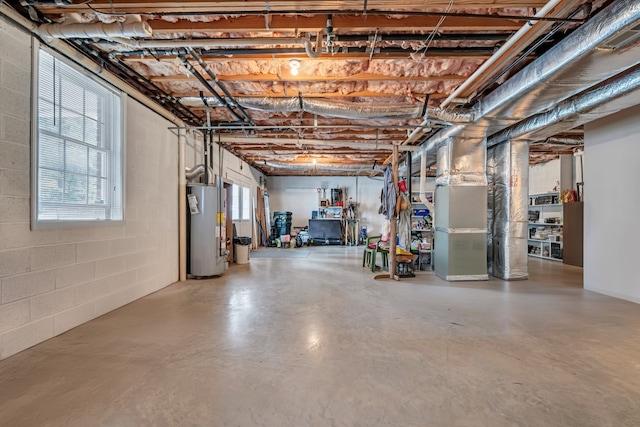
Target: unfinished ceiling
pixel 326 87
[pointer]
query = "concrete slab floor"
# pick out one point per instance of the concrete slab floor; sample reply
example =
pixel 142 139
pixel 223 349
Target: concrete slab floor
pixel 317 342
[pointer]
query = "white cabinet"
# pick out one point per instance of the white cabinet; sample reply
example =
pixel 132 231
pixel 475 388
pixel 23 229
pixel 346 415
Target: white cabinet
pixel 545 226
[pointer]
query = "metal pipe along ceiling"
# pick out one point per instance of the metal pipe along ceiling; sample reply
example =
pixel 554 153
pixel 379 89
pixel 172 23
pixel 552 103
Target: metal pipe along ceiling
pixel 570 67
pixel 342 109
pixel 312 50
pixel 95 30
pixel 573 108
pixel 327 168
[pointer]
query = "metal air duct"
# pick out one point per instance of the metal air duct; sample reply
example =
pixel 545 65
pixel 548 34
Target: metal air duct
pixel 101 30
pixel 308 167
pixel 508 202
pixel 312 50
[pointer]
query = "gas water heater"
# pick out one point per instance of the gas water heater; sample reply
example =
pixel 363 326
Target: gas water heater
pixel 207 247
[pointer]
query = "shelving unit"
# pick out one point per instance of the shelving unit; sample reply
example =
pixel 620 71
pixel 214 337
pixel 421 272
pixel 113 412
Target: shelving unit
pixel 422 228
pixel 545 226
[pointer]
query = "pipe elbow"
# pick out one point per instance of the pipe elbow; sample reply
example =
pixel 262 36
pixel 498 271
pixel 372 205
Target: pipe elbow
pixel 314 51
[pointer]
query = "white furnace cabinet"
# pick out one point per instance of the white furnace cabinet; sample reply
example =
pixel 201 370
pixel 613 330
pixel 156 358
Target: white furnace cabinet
pixel 207 234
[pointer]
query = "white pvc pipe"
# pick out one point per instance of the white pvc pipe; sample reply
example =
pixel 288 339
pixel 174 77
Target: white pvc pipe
pixel 510 42
pixel 182 203
pixel 498 54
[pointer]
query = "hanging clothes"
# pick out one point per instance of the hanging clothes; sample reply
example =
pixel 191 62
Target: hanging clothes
pixel 388 194
pixel 404 223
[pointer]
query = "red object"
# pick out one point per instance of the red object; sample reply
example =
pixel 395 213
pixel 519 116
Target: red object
pixel 402 185
pixel 339 204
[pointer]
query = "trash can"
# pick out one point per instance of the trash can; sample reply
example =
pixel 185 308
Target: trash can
pixel 241 249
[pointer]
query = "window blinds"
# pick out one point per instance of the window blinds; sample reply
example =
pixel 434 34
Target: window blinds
pixel 79 145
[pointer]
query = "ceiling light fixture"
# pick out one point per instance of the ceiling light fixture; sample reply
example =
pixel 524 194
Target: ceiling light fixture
pixel 294 65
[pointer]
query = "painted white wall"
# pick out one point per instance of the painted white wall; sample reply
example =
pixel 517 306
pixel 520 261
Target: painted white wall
pixel 234 170
pixel 545 176
pixel 299 195
pixel 54 280
pixel 612 201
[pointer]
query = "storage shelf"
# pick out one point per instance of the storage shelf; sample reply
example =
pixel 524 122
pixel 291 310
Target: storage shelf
pixel 544 241
pixel 542 224
pixel 545 257
pixel 552 193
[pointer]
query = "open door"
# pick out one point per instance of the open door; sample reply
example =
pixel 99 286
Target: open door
pixel 229 220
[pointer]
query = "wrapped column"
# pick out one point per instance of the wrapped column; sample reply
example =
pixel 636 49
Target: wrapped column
pixel 509 169
pixel 461 210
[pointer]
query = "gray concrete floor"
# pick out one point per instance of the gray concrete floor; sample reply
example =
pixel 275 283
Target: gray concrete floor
pixel 317 342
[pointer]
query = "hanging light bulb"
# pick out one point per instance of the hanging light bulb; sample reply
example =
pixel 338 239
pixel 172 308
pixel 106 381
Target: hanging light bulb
pixel 294 66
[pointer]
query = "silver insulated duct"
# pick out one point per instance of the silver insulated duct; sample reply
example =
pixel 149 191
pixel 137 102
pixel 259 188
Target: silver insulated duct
pixel 508 165
pixel 95 30
pixel 598 50
pixel 460 210
pixel 310 167
pixel 335 108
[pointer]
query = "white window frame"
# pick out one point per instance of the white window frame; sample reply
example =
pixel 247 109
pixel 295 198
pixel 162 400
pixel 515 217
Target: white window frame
pixel 236 202
pixel 246 204
pixel 112 212
pixel 240 212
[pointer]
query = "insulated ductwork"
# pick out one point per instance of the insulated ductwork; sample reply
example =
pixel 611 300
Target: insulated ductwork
pixel 561 141
pixel 351 110
pixel 340 109
pixel 570 67
pixel 100 30
pixel 460 210
pixel 587 106
pixel 285 105
pixel 312 50
pixel 509 166
pixel 196 171
pixel 461 162
pixel 325 168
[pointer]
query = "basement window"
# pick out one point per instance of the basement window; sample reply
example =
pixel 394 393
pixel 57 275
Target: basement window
pixel 77 146
pixel 240 203
pixel 246 204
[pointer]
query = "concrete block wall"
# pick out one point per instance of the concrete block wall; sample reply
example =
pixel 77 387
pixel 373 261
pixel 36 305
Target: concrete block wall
pixel 54 280
pixel 234 170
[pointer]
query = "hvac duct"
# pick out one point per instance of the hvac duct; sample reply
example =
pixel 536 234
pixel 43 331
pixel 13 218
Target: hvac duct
pixel 568 68
pixel 326 168
pixel 454 97
pixel 312 50
pixel 194 172
pixel 557 140
pixel 341 109
pixel 350 110
pixel 572 111
pixel 509 168
pixel 526 28
pixel 96 30
pixel 461 210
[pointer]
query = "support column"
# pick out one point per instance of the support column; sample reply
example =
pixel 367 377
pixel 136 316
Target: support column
pixel 508 165
pixel 461 210
pixel 182 203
